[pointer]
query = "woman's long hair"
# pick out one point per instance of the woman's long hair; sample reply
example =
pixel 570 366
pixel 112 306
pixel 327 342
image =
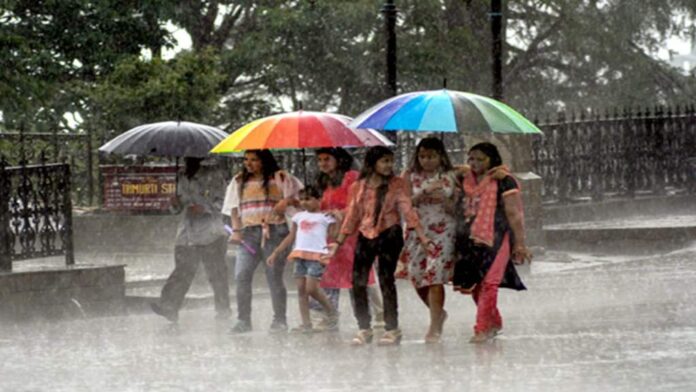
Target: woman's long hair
pixel 491 151
pixel 269 167
pixel 373 155
pixel 435 144
pixel 344 162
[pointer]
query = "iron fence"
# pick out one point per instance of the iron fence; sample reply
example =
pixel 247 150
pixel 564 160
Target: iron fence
pixel 75 149
pixel 589 156
pixel 35 212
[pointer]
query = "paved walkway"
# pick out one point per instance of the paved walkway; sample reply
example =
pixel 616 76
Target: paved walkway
pixel 587 323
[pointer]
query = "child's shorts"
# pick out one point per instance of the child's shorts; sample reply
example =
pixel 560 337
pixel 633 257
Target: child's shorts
pixel 308 268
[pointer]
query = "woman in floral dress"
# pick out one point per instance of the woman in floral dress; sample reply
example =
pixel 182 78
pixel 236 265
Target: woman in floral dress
pixel 434 191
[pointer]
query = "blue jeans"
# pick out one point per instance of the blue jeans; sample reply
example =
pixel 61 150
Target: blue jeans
pixel 246 264
pixel 308 268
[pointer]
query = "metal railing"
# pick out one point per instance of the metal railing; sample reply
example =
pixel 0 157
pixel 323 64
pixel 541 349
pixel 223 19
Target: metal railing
pixel 592 157
pixel 75 149
pixel 35 212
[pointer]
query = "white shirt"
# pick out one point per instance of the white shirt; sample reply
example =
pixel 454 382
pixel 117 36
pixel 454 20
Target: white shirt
pixel 312 231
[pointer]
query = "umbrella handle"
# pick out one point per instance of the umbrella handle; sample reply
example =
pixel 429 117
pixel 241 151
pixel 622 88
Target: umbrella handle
pixel 176 177
pixel 304 166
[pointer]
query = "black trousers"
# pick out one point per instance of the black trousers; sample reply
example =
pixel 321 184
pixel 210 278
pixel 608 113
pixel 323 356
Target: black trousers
pixel 386 247
pixel 187 259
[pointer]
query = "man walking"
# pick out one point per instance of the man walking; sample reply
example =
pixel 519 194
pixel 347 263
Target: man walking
pixel 200 238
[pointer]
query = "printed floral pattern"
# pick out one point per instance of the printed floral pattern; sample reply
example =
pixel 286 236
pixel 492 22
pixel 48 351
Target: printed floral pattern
pixel 437 267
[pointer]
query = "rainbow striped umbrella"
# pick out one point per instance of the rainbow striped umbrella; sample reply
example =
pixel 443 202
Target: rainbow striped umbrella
pixel 299 130
pixel 444 111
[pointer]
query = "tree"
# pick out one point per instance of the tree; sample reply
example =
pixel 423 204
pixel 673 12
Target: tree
pixel 594 54
pixel 140 91
pixel 52 49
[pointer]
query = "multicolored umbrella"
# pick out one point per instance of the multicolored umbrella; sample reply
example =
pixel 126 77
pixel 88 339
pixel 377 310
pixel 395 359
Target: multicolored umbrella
pixel 299 130
pixel 444 111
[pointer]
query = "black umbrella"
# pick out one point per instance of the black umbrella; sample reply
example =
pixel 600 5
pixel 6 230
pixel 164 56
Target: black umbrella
pixel 168 138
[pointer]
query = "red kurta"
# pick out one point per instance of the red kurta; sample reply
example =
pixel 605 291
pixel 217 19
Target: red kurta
pixel 339 272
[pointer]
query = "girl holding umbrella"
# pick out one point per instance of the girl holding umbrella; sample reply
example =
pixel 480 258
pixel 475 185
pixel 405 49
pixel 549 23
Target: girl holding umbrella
pixel 256 201
pixel 494 239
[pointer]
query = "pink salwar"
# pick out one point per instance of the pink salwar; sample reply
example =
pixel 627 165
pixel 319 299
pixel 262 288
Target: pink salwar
pixel 485 294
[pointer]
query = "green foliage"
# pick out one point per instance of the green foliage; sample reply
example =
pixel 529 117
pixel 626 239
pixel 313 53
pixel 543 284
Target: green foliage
pixel 255 57
pixel 51 47
pixel 580 54
pixel 141 91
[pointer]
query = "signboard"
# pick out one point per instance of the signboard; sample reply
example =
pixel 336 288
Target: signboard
pixel 138 188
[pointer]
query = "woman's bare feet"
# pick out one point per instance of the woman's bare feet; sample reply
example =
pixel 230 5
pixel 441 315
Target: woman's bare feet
pixel 434 333
pixel 442 320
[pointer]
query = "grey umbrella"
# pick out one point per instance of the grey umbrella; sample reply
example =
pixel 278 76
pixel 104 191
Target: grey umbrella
pixel 168 138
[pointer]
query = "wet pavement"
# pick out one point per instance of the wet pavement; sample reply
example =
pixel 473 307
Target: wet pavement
pixel 635 221
pixel 588 322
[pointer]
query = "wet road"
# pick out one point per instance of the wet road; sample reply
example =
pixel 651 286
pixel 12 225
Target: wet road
pixel 587 323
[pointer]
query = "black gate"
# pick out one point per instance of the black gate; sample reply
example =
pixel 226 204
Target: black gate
pixel 35 212
pixel 627 154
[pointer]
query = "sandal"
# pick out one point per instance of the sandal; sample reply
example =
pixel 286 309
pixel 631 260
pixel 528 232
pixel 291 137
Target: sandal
pixel 363 337
pixel 390 338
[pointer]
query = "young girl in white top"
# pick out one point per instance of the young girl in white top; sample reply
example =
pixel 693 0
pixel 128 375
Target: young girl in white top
pixel 309 233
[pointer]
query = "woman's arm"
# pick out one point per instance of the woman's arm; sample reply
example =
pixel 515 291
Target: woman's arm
pixel 332 230
pixel 409 214
pixel 290 186
pixel 287 241
pixel 352 217
pixel 236 221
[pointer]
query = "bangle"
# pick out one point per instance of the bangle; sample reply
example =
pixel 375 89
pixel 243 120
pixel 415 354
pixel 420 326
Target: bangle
pixel 236 230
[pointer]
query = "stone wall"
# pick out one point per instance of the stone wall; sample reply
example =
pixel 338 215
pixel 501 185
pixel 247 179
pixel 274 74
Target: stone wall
pixel 78 291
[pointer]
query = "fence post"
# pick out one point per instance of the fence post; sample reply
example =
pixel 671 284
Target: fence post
pixel 90 169
pixel 67 231
pixel 660 151
pixel 631 124
pixel 596 165
pixel 563 133
pixel 5 251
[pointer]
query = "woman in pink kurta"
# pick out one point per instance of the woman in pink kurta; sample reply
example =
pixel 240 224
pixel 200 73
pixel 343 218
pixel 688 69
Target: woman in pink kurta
pixel 339 271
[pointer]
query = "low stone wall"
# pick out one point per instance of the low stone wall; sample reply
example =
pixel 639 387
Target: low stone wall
pixel 620 208
pixel 50 293
pixel 113 233
pixel 533 213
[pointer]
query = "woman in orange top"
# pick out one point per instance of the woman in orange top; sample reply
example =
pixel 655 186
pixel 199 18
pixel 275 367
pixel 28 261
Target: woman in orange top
pixel 335 178
pixel 378 201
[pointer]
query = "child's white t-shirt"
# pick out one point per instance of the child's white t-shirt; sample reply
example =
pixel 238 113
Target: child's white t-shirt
pixel 312 231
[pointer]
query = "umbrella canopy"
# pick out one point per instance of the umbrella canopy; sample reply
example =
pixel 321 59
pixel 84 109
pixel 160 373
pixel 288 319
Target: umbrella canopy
pixel 169 138
pixel 299 130
pixel 444 111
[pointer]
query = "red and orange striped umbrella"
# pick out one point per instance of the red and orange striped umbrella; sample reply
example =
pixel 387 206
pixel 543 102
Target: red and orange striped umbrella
pixel 298 130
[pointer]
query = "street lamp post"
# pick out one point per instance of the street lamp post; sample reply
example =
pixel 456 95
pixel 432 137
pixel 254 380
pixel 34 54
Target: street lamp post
pixel 496 16
pixel 389 11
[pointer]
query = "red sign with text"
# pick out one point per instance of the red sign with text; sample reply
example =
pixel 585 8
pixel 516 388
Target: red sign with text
pixel 138 188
